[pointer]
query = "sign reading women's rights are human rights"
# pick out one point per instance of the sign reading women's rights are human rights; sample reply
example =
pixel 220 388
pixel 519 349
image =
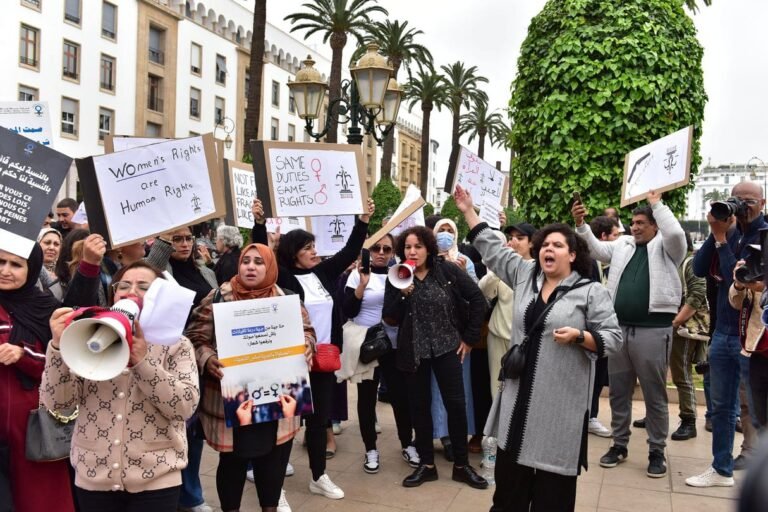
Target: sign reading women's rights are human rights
pixel 137 193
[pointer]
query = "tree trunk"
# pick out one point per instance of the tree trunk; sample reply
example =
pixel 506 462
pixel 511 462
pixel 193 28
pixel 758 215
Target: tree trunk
pixel 456 109
pixel 255 73
pixel 481 143
pixel 389 142
pixel 338 41
pixel 426 109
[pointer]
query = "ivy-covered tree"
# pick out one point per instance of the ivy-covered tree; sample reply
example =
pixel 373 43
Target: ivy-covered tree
pixel 387 198
pixel 596 79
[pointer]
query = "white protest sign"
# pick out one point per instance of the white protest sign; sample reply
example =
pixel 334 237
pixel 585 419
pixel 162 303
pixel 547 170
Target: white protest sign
pixel 481 179
pixel 260 342
pixel 286 224
pixel 28 118
pixel 412 196
pixel 662 165
pixel 489 213
pixel 331 232
pixel 81 215
pixel 123 143
pixel 243 188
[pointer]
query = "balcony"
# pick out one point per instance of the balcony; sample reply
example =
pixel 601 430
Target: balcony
pixel 157 56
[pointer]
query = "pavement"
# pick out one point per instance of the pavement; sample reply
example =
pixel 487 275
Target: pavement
pixel 624 488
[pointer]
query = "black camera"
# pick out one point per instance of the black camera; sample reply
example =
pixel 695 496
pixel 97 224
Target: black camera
pixel 722 210
pixel 752 270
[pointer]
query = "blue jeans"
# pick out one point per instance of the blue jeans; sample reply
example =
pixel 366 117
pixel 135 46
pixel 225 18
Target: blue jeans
pixel 724 369
pixel 191 488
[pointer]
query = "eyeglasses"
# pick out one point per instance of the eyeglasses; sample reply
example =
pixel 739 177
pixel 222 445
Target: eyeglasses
pixel 381 248
pixel 751 202
pixel 126 286
pixel 179 238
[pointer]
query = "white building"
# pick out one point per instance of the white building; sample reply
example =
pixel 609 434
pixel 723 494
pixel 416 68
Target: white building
pixel 716 183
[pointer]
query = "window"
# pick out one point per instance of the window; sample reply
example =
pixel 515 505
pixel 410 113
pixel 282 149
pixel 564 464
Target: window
pixel 109 20
pixel 35 4
pixel 153 130
pixel 274 129
pixel 157 45
pixel 275 93
pixel 291 102
pixel 196 59
pixel 291 133
pixel 107 78
pixel 194 103
pixel 69 117
pixel 218 110
pixel 28 45
pixel 106 122
pixel 71 60
pixel 155 98
pixel 221 70
pixel 28 93
pixel 72 11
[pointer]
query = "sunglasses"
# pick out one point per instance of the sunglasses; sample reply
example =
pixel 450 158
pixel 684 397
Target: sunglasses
pixel 179 238
pixel 381 248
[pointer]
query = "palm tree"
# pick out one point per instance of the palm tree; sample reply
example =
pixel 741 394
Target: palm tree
pixel 478 122
pixel 397 42
pixel 255 72
pixel 335 19
pixel 716 195
pixel 693 5
pixel 427 88
pixel 461 85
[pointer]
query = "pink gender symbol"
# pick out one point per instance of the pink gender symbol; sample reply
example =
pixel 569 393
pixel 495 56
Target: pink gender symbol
pixel 321 197
pixel 319 168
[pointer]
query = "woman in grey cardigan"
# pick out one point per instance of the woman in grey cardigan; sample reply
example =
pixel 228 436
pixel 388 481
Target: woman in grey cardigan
pixel 540 418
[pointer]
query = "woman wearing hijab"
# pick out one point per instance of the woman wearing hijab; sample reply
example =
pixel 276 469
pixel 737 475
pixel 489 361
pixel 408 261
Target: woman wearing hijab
pixel 446 235
pixel 256 443
pixel 50 241
pixel 24 334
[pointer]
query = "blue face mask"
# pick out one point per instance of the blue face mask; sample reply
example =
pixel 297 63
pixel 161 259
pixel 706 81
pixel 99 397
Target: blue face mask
pixel 444 241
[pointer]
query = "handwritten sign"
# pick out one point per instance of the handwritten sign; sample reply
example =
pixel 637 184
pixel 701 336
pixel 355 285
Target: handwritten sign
pixel 28 118
pixel 489 213
pixel 240 190
pixel 298 179
pixel 30 176
pixel 149 190
pixel 260 342
pixel 481 179
pixel 331 232
pixel 286 224
pixel 662 165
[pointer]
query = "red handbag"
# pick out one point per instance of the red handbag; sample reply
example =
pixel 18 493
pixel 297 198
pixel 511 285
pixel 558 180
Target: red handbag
pixel 327 358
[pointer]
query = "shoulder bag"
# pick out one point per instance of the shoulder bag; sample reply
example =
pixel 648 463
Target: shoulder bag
pixel 375 344
pixel 49 434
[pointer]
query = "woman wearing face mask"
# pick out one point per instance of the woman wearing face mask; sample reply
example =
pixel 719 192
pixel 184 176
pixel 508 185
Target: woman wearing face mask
pixel 446 234
pixel 256 443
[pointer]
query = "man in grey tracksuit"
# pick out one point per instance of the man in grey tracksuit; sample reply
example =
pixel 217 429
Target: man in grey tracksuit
pixel 646 292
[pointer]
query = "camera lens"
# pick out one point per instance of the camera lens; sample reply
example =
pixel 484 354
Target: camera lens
pixel 721 210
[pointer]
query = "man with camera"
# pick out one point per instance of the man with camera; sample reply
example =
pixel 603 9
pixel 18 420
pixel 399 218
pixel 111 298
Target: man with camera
pixel 646 292
pixel 734 224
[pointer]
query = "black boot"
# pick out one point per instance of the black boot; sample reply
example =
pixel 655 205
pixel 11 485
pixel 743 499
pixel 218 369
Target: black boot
pixel 686 430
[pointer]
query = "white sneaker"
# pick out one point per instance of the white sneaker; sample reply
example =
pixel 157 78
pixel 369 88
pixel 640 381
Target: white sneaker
pixel 377 427
pixel 411 456
pixel 598 429
pixel 710 478
pixel 249 475
pixel 371 464
pixel 289 471
pixel 336 428
pixel 203 507
pixel 326 487
pixel 282 505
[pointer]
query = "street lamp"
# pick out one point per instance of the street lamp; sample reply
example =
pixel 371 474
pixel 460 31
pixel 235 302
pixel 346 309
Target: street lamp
pixel 228 125
pixel 371 98
pixel 753 173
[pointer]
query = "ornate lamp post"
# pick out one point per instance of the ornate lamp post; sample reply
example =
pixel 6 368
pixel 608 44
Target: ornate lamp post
pixel 371 99
pixel 228 125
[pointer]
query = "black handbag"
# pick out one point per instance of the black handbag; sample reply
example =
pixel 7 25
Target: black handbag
pixel 49 435
pixel 375 344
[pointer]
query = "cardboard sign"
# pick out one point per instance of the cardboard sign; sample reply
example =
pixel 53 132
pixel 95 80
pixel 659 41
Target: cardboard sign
pixel 664 164
pixel 299 179
pixel 404 211
pixel 240 189
pixel 481 179
pixel 28 118
pixel 489 213
pixel 331 232
pixel 30 177
pixel 412 195
pixel 145 191
pixel 260 342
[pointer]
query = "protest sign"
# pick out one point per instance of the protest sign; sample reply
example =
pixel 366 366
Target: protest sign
pixel 412 195
pixel 239 190
pixel 81 215
pixel 331 232
pixel 260 342
pixel 662 165
pixel 489 213
pixel 407 208
pixel 145 191
pixel 30 176
pixel 298 179
pixel 478 177
pixel 28 118
pixel 286 224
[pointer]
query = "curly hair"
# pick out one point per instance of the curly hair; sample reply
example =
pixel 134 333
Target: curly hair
pixel 583 262
pixel 425 236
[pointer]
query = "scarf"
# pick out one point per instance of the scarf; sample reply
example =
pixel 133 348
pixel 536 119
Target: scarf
pixel 267 286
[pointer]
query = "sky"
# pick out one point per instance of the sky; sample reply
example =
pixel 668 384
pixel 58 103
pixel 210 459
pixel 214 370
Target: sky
pixel 488 34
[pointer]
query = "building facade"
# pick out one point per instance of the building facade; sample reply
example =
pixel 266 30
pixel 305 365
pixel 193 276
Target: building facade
pixel 714 183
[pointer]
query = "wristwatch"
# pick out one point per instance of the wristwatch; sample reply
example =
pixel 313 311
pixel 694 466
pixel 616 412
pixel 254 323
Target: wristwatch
pixel 580 338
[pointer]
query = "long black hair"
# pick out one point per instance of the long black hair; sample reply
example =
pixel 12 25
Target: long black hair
pixel 290 245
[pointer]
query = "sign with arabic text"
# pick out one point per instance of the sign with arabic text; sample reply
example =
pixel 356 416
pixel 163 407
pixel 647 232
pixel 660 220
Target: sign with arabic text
pixel 481 179
pixel 31 119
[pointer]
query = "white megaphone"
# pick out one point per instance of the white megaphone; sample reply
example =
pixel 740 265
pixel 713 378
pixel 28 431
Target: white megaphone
pixel 96 344
pixel 401 275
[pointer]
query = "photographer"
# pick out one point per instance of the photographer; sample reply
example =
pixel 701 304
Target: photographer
pixel 734 224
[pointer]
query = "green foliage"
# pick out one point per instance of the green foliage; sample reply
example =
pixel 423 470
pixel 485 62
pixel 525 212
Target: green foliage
pixel 246 234
pixel 429 209
pixel 451 211
pixel 329 17
pixel 247 158
pixel 387 198
pixel 479 122
pixel 596 79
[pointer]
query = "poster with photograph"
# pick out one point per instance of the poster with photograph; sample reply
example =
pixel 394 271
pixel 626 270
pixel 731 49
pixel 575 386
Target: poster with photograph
pixel 260 342
pixel 664 164
pixel 31 119
pixel 331 232
pixel 481 179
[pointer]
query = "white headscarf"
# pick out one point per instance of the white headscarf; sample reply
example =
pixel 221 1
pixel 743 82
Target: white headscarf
pixel 453 252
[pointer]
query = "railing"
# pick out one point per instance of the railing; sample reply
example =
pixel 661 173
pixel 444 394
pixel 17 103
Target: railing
pixel 157 56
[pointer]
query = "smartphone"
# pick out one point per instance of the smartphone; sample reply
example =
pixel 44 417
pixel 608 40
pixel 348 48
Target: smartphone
pixel 577 198
pixel 365 261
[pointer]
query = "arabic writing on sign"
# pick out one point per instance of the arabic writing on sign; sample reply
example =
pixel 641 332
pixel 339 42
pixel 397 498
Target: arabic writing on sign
pixel 481 179
pixel 15 178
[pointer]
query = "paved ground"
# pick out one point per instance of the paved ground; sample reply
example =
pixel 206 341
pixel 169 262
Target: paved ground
pixel 624 488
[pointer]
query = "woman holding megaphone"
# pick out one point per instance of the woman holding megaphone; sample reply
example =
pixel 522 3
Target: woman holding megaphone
pixel 129 444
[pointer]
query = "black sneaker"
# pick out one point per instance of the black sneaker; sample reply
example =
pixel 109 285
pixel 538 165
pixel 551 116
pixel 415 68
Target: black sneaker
pixel 615 456
pixel 657 465
pixel 686 430
pixel 639 423
pixel 741 462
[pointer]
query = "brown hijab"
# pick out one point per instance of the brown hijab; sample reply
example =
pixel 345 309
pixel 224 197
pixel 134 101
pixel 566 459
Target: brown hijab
pixel 267 286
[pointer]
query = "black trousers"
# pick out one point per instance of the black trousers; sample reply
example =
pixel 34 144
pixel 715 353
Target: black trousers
pixel 268 476
pixel 758 381
pixel 447 369
pixel 601 380
pixel 366 402
pixel 481 393
pixel 317 422
pixel 160 500
pixel 520 488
